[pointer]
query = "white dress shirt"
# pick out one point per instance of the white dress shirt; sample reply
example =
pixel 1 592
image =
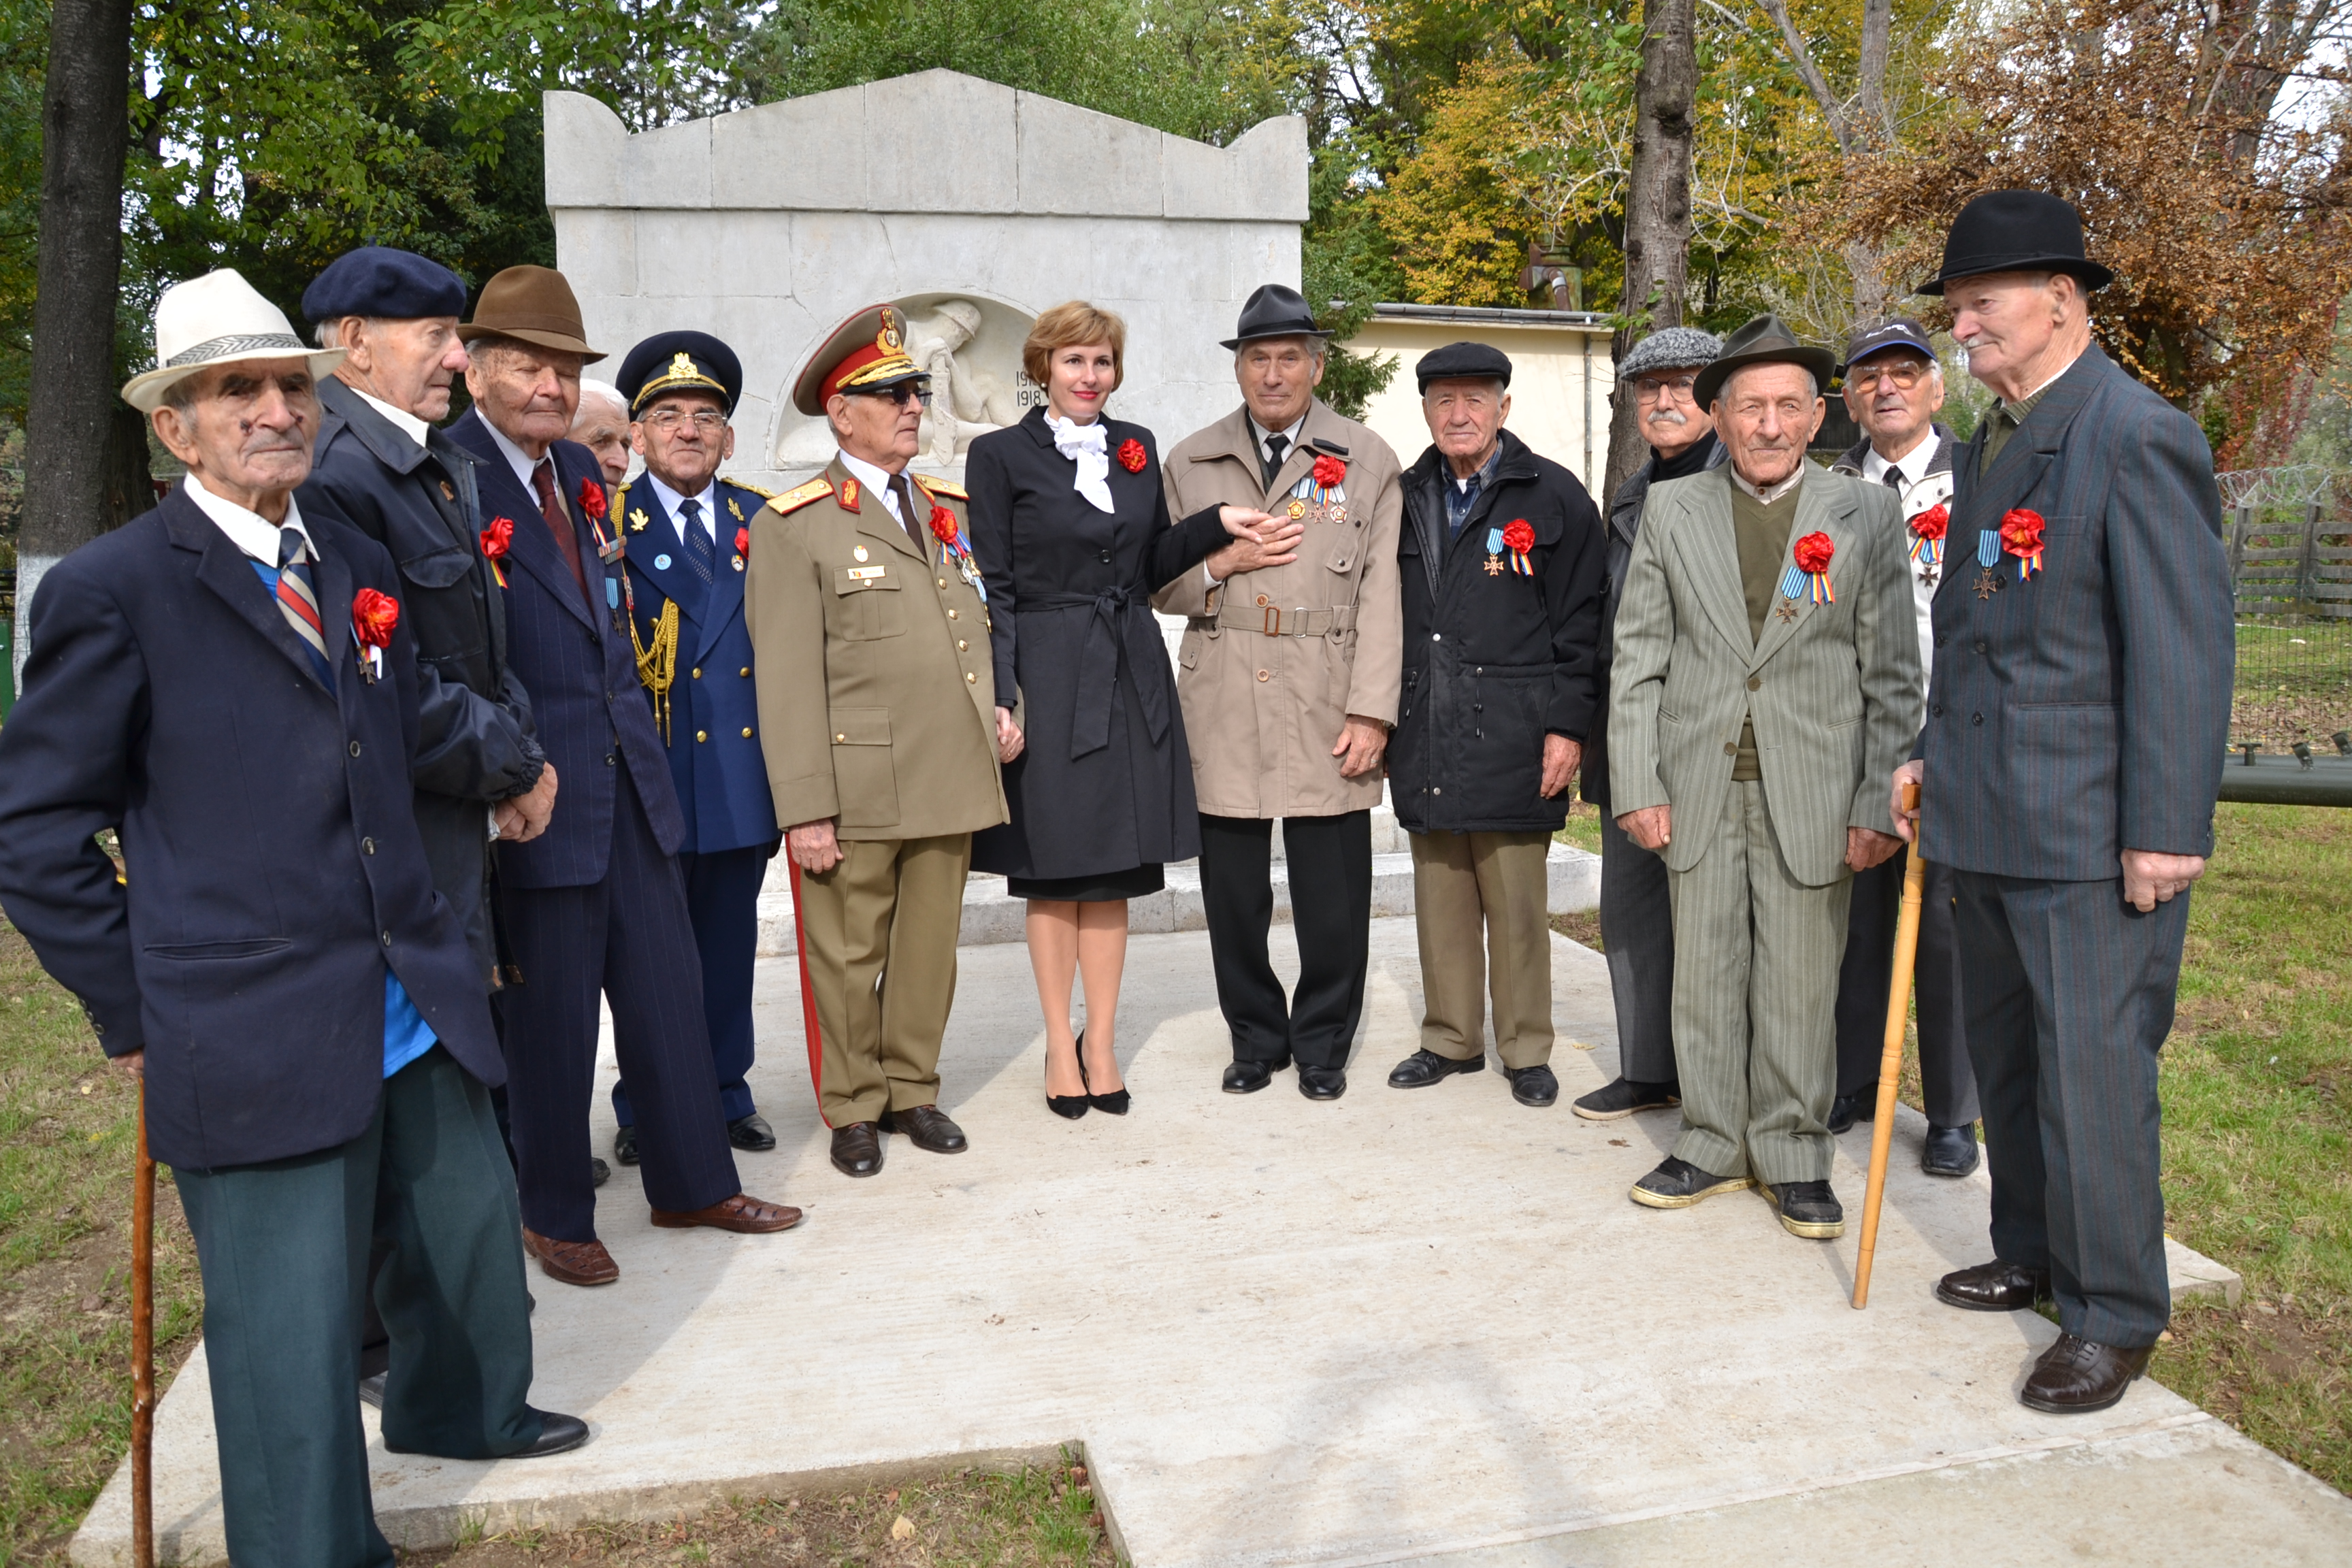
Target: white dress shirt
pixel 1785 487
pixel 1920 490
pixel 407 424
pixel 523 463
pixel 249 530
pixel 1914 463
pixel 671 500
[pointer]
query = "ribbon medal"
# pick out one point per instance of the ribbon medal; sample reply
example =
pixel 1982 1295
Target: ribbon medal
pixel 2020 535
pixel 958 546
pixel 1322 488
pixel 1988 547
pixel 1517 537
pixel 1809 572
pixel 1928 531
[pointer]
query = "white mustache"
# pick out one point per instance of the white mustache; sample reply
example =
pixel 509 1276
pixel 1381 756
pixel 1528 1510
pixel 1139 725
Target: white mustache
pixel 1662 416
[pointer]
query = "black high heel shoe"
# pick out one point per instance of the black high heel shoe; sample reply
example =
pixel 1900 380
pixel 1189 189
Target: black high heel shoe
pixel 1070 1106
pixel 1112 1104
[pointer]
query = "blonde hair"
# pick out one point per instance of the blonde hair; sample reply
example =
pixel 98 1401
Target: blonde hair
pixel 1068 326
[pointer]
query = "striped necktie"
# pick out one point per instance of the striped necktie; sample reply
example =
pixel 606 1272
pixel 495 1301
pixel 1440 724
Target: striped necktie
pixel 697 541
pixel 297 597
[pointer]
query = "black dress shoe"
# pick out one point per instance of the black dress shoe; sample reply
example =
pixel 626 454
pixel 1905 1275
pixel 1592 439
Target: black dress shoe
pixel 1808 1209
pixel 1678 1183
pixel 751 1133
pixel 557 1435
pixel 599 1173
pixel 856 1150
pixel 1426 1067
pixel 1995 1286
pixel 625 1146
pixel 1248 1078
pixel 1533 1086
pixel 927 1126
pixel 371 1390
pixel 1848 1108
pixel 1624 1097
pixel 1116 1102
pixel 1950 1151
pixel 1322 1083
pixel 2076 1375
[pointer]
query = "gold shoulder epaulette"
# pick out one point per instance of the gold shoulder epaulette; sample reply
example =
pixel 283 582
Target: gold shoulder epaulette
pixel 755 489
pixel 941 487
pixel 799 496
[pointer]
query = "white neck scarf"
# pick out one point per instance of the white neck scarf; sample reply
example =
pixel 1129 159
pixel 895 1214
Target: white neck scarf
pixel 1083 445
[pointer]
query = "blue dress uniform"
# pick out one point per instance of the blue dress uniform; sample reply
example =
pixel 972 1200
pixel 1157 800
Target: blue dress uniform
pixel 695 661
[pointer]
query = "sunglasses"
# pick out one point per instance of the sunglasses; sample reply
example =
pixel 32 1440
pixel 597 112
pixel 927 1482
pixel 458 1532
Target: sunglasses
pixel 899 397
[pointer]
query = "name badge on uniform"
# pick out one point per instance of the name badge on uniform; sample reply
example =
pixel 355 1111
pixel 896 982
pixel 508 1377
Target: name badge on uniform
pixel 865 574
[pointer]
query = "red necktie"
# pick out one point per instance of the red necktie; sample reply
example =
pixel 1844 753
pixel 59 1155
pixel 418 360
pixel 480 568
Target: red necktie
pixel 559 521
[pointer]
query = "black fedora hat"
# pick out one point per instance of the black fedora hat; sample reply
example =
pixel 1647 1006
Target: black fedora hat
pixel 1763 341
pixel 2016 231
pixel 1275 311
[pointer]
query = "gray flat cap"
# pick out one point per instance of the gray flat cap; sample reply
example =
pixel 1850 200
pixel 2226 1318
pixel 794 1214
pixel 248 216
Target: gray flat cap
pixel 1671 348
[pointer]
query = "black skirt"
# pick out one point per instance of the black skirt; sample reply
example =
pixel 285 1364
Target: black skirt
pixel 1107 888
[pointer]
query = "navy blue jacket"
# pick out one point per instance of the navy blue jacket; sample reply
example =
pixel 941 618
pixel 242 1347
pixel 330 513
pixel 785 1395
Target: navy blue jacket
pixel 714 718
pixel 2086 710
pixel 576 662
pixel 268 838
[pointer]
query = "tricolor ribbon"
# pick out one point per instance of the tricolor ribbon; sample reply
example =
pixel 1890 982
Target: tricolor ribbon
pixel 1499 542
pixel 1813 554
pixel 2020 535
pixel 1927 531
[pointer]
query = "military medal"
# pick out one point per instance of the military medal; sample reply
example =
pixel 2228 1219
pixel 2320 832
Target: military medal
pixel 2020 535
pixel 374 617
pixel 958 546
pixel 1297 509
pixel 1928 531
pixel 859 553
pixel 1809 574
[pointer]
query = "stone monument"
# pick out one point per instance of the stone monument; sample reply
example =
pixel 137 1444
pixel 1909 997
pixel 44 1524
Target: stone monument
pixel 769 226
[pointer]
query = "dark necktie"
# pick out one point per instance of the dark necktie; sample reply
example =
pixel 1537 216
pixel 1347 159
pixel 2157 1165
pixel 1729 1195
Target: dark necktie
pixel 558 520
pixel 1275 446
pixel 1894 478
pixel 298 596
pixel 696 539
pixel 919 526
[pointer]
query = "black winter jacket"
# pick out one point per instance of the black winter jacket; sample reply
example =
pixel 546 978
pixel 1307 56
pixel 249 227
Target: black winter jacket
pixel 1494 660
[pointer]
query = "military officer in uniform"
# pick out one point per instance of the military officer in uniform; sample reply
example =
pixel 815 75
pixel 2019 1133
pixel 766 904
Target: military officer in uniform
pixel 877 716
pixel 688 534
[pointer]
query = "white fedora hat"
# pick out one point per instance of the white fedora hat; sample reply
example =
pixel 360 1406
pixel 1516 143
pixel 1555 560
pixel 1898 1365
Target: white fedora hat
pixel 210 321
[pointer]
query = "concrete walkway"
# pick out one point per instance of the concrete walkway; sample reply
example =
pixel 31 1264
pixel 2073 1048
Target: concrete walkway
pixel 1404 1327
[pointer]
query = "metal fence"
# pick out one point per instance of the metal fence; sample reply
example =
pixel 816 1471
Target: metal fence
pixel 2289 532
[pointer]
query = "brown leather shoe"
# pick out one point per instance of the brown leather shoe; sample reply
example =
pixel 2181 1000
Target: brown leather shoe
pixel 750 1216
pixel 927 1126
pixel 572 1262
pixel 857 1150
pixel 1994 1287
pixel 2076 1376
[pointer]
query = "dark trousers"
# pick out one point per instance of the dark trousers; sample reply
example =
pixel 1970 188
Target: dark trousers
pixel 1637 931
pixel 722 900
pixel 284 1251
pixel 1331 867
pixel 1946 1082
pixel 628 940
pixel 2069 999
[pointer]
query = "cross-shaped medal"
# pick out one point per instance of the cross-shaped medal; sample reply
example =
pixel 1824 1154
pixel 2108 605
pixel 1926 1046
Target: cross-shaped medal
pixel 1927 575
pixel 1987 584
pixel 1494 567
pixel 1786 612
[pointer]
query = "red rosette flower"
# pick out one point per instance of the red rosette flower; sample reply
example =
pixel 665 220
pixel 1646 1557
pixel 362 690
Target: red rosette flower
pixel 1131 455
pixel 374 617
pixel 499 538
pixel 591 500
pixel 1520 538
pixel 1933 523
pixel 742 541
pixel 1329 470
pixel 1813 553
pixel 943 525
pixel 2020 531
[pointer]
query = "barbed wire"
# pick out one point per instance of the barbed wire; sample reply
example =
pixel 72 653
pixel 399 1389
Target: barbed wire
pixel 2299 484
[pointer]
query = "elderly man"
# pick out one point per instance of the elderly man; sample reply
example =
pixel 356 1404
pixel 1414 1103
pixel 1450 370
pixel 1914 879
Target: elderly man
pixel 1637 923
pixel 1892 388
pixel 1501 557
pixel 603 425
pixel 689 535
pixel 594 907
pixel 227 681
pixel 877 706
pixel 2077 716
pixel 1288 681
pixel 1767 662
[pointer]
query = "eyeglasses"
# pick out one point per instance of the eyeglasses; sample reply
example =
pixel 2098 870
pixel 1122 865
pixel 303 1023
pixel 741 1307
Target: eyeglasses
pixel 1903 374
pixel 901 394
pixel 707 421
pixel 1650 389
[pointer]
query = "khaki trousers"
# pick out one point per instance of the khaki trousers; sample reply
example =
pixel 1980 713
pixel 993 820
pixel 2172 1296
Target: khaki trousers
pixel 879 934
pixel 1481 910
pixel 1756 977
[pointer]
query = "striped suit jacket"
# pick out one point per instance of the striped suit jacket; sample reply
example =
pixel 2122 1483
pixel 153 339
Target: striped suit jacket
pixel 2084 710
pixel 1834 690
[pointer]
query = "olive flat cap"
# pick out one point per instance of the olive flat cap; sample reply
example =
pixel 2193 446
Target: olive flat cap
pixel 1464 361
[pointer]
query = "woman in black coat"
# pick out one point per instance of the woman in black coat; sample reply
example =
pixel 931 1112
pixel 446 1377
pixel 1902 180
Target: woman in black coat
pixel 1071 531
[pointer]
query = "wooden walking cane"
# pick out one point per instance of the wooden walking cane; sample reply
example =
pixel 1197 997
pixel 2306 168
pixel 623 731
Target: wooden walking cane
pixel 142 1346
pixel 1890 1059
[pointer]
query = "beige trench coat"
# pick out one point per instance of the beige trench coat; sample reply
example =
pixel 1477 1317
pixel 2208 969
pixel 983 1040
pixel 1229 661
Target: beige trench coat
pixel 1263 711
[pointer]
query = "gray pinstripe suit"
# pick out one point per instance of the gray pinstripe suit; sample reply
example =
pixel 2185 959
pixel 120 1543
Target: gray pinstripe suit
pixel 1757 871
pixel 2071 717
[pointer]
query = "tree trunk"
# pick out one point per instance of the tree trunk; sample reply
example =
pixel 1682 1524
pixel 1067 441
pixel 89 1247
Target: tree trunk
pixel 85 126
pixel 1657 209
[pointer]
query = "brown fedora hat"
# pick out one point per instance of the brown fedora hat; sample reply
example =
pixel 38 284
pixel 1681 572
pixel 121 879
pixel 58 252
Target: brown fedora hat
pixel 1763 341
pixel 531 305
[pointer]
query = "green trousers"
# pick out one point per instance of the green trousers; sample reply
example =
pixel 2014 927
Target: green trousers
pixel 284 1251
pixel 1756 978
pixel 1481 910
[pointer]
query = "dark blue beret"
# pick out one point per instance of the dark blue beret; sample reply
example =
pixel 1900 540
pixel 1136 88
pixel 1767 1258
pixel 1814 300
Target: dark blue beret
pixel 377 280
pixel 679 361
pixel 1464 361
